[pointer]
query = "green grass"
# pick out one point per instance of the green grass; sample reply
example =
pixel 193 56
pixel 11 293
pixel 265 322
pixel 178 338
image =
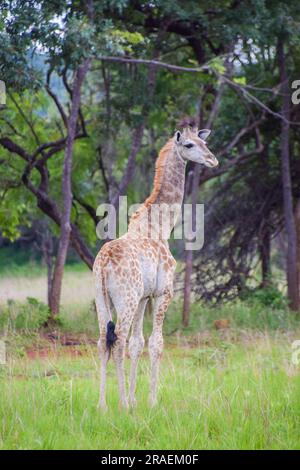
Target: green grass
pixel 228 389
pixel 82 318
pixel 247 314
pixel 35 269
pixel 225 396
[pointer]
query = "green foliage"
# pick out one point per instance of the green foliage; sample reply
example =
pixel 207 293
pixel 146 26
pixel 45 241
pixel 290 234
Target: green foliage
pixel 268 296
pixel 54 38
pixel 11 217
pixel 79 319
pixel 26 317
pixel 14 262
pixel 217 64
pixel 252 314
pixel 126 40
pixel 255 313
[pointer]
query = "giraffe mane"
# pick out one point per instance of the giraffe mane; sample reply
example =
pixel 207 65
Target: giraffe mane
pixel 158 177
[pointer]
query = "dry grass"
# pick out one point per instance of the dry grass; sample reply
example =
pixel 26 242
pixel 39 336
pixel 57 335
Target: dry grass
pixel 78 288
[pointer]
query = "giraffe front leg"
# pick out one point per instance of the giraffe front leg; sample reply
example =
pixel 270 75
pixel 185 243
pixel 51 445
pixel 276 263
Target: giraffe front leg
pixel 136 345
pixel 160 305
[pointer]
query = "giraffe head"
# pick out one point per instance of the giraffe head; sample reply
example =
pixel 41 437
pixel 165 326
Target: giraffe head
pixel 191 145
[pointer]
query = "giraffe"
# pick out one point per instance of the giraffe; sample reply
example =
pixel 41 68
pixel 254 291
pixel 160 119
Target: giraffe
pixel 139 267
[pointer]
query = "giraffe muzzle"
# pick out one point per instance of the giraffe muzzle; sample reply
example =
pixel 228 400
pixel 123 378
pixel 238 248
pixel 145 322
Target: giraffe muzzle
pixel 212 162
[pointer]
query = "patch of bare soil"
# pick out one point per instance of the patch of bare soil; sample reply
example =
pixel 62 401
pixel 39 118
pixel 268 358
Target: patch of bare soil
pixel 57 344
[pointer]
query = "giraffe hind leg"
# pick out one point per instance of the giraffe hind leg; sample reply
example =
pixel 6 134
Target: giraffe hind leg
pixel 125 317
pixel 160 306
pixel 136 345
pixel 104 352
pixel 104 357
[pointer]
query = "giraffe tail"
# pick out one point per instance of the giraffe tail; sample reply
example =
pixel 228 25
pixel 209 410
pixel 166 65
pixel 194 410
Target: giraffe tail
pixel 111 336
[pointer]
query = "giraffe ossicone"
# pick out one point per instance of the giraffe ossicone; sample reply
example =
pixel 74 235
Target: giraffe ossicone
pixel 139 266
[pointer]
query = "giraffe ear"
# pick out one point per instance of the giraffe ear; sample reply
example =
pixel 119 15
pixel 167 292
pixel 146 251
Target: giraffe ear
pixel 204 133
pixel 178 137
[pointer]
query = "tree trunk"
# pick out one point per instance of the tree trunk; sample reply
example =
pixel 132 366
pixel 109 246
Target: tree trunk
pixel 290 226
pixel 47 249
pixel 189 255
pixel 297 221
pixel 137 136
pixel 187 288
pixel 65 225
pixel 129 171
pixel 265 257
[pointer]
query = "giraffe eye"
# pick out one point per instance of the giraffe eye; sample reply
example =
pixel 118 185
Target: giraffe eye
pixel 189 146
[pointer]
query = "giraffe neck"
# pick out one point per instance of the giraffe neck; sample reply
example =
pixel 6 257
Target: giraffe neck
pixel 162 207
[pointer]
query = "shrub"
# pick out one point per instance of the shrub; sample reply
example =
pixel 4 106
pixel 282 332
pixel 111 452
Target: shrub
pixel 29 316
pixel 268 296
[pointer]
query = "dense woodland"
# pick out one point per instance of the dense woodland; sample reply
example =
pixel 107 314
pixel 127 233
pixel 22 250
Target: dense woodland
pixel 93 91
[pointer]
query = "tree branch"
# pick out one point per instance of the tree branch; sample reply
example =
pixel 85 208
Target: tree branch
pixel 58 105
pixel 12 147
pixel 154 63
pixel 89 209
pixel 239 135
pixel 47 205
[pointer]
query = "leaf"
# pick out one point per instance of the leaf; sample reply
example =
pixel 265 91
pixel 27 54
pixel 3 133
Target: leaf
pixel 217 65
pixel 240 80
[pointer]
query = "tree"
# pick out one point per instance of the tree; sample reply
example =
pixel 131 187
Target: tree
pixel 65 224
pixel 151 63
pixel 290 225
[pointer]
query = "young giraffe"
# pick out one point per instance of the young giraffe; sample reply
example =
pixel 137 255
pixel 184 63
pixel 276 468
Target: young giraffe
pixel 139 266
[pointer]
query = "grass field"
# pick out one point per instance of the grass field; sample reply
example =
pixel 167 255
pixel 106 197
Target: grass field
pixel 219 389
pixel 221 396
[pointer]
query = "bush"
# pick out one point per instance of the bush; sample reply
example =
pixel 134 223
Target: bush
pixel 29 316
pixel 268 296
pixel 261 309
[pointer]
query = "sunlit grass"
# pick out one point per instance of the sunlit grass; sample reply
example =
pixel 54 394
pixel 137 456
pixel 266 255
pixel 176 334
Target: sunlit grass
pixel 220 389
pixel 77 291
pixel 227 397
